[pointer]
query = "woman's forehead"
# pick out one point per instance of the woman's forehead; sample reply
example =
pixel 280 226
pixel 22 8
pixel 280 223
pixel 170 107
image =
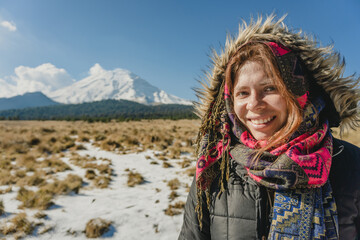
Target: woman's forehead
pixel 253 71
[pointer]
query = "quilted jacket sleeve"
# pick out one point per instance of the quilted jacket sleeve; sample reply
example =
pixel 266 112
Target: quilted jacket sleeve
pixel 191 229
pixel 345 182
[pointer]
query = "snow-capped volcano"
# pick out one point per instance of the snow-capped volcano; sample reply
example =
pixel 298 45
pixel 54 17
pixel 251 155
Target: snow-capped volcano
pixel 113 84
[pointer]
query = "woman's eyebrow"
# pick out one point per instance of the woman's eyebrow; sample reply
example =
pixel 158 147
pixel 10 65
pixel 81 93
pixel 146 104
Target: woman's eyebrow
pixel 266 82
pixel 240 88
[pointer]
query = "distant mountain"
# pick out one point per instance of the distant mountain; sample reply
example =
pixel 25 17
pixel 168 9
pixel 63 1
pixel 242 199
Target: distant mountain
pixel 114 84
pixel 106 109
pixel 34 99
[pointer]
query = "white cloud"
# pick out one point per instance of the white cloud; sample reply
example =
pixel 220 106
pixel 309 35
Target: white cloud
pixel 6 89
pixel 8 25
pixel 44 78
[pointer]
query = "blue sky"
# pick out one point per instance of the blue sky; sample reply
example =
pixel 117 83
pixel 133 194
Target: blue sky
pixel 165 42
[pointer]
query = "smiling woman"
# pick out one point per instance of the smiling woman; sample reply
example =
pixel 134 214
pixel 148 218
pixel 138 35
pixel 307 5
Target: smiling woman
pixel 268 166
pixel 261 100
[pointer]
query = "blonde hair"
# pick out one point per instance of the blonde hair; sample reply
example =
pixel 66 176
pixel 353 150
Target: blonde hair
pixel 261 53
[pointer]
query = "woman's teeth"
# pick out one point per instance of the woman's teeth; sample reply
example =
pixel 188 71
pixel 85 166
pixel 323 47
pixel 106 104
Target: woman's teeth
pixel 262 121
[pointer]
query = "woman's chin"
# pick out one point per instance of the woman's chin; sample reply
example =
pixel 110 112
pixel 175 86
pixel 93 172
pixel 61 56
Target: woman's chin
pixel 261 136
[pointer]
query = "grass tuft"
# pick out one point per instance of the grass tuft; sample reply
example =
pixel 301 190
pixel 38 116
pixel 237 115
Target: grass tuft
pixel 173 195
pixel 31 199
pixel 171 211
pixel 19 225
pixel 90 174
pixel 96 227
pixel 7 190
pixel 190 171
pixel 134 178
pixel 166 165
pixel 2 208
pixel 174 184
pixel 102 181
pixel 40 215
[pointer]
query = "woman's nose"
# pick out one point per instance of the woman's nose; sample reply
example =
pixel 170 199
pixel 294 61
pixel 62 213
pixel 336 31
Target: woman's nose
pixel 255 102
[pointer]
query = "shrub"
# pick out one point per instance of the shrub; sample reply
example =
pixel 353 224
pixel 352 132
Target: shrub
pixel 19 224
pixel 190 171
pixel 2 209
pixel 185 163
pixel 173 195
pixel 80 147
pixel 170 211
pixel 102 181
pixel 179 205
pixel 20 148
pixel 45 229
pixel 48 130
pixel 73 132
pixel 73 183
pixel 90 174
pixel 5 164
pixel 34 141
pixel 163 158
pixel 55 164
pixel 27 161
pixel 96 227
pixel 40 215
pixel 6 178
pixel 30 199
pixel 33 180
pixel 112 145
pixel 100 137
pixel 134 179
pixel 104 168
pixel 84 139
pixel 174 209
pixel 166 165
pixel 7 190
pixel 174 184
pixel 20 173
pixel 44 148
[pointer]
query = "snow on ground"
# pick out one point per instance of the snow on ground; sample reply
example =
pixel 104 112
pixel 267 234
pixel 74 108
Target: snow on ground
pixel 136 212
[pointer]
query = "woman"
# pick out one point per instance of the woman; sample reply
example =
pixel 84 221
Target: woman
pixel 268 166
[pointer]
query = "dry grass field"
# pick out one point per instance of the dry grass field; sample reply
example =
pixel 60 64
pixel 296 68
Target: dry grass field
pixel 32 158
pixel 33 153
pixel 350 136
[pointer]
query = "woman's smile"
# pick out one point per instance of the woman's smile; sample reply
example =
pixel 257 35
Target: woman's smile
pixel 263 121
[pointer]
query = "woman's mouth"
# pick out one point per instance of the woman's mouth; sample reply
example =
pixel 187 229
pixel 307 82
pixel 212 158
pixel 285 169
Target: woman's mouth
pixel 261 121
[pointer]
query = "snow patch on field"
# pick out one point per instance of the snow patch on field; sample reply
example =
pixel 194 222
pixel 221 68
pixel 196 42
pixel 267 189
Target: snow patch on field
pixel 135 212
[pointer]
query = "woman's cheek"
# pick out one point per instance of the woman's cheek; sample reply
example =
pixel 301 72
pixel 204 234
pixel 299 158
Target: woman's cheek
pixel 239 109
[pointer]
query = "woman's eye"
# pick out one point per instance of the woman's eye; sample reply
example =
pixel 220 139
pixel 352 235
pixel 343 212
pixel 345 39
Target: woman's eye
pixel 242 94
pixel 270 89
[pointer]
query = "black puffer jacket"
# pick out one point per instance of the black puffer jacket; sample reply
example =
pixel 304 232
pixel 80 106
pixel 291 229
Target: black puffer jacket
pixel 242 212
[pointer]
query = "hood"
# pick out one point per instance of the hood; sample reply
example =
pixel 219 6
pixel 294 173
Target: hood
pixel 323 65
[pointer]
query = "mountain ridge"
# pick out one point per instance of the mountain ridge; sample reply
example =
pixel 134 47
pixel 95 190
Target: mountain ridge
pixel 104 109
pixel 114 84
pixel 30 99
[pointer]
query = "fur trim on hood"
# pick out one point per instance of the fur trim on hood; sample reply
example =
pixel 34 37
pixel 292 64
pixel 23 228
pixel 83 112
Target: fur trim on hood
pixel 322 63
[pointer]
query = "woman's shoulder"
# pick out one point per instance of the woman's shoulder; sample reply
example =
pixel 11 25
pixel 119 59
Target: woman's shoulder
pixel 346 153
pixel 345 169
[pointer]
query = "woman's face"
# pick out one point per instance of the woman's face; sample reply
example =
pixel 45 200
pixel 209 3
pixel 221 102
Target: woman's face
pixel 257 102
